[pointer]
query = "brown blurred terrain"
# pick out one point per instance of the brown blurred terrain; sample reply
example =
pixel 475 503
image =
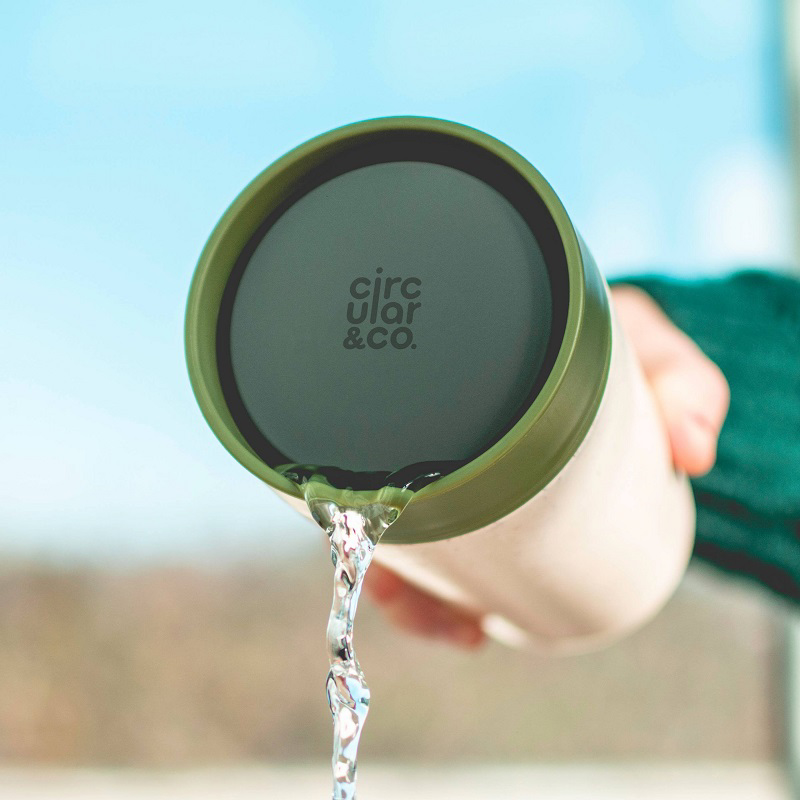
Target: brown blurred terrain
pixel 168 666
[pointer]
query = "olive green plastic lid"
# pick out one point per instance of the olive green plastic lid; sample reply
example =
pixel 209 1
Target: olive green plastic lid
pixel 399 291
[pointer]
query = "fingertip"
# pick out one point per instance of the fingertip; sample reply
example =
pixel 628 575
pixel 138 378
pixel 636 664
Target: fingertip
pixel 693 397
pixel 694 445
pixel 418 613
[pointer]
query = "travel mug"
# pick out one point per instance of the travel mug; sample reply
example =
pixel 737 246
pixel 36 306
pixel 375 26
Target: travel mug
pixel 408 294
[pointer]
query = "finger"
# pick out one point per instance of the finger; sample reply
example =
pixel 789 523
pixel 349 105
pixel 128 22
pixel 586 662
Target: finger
pixel 419 613
pixel 690 389
pixel 415 611
pixel 381 584
pixel 693 397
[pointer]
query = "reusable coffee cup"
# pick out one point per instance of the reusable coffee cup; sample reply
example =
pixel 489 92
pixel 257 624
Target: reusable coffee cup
pixel 407 295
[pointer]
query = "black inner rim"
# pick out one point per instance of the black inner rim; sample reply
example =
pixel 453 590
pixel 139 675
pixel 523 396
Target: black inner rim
pixel 394 146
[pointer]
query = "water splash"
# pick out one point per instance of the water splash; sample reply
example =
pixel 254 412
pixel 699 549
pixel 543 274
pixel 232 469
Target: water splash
pixel 354 522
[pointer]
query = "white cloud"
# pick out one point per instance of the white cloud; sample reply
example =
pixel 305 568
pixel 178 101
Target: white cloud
pixel 740 211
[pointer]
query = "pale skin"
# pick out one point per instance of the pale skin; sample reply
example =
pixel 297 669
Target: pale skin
pixel 692 395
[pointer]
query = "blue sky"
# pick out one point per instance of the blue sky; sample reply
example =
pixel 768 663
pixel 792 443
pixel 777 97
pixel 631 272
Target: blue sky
pixel 126 129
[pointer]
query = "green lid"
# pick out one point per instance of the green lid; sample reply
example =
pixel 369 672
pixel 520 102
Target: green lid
pixel 400 291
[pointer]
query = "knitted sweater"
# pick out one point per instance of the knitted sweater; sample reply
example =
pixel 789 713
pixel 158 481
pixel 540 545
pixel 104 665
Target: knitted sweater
pixel 748 506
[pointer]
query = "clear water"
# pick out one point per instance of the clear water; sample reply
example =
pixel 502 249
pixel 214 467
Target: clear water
pixel 354 522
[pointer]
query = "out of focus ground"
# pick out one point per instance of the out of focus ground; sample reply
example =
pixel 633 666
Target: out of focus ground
pixel 708 782
pixel 184 667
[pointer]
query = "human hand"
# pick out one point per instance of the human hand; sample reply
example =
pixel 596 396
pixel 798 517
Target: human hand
pixel 692 395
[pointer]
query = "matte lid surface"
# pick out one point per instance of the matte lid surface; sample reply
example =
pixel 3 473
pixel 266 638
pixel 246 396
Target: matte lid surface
pixel 397 313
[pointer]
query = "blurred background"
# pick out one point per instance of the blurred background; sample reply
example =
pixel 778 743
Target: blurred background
pixel 159 607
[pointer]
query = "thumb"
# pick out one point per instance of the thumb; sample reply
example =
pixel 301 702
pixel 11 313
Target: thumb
pixel 693 397
pixel 690 389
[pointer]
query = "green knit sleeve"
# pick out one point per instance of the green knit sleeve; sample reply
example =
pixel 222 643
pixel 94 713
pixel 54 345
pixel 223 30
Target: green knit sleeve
pixel 748 506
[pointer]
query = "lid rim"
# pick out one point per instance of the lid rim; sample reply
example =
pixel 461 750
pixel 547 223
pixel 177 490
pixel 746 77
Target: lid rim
pixel 492 484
